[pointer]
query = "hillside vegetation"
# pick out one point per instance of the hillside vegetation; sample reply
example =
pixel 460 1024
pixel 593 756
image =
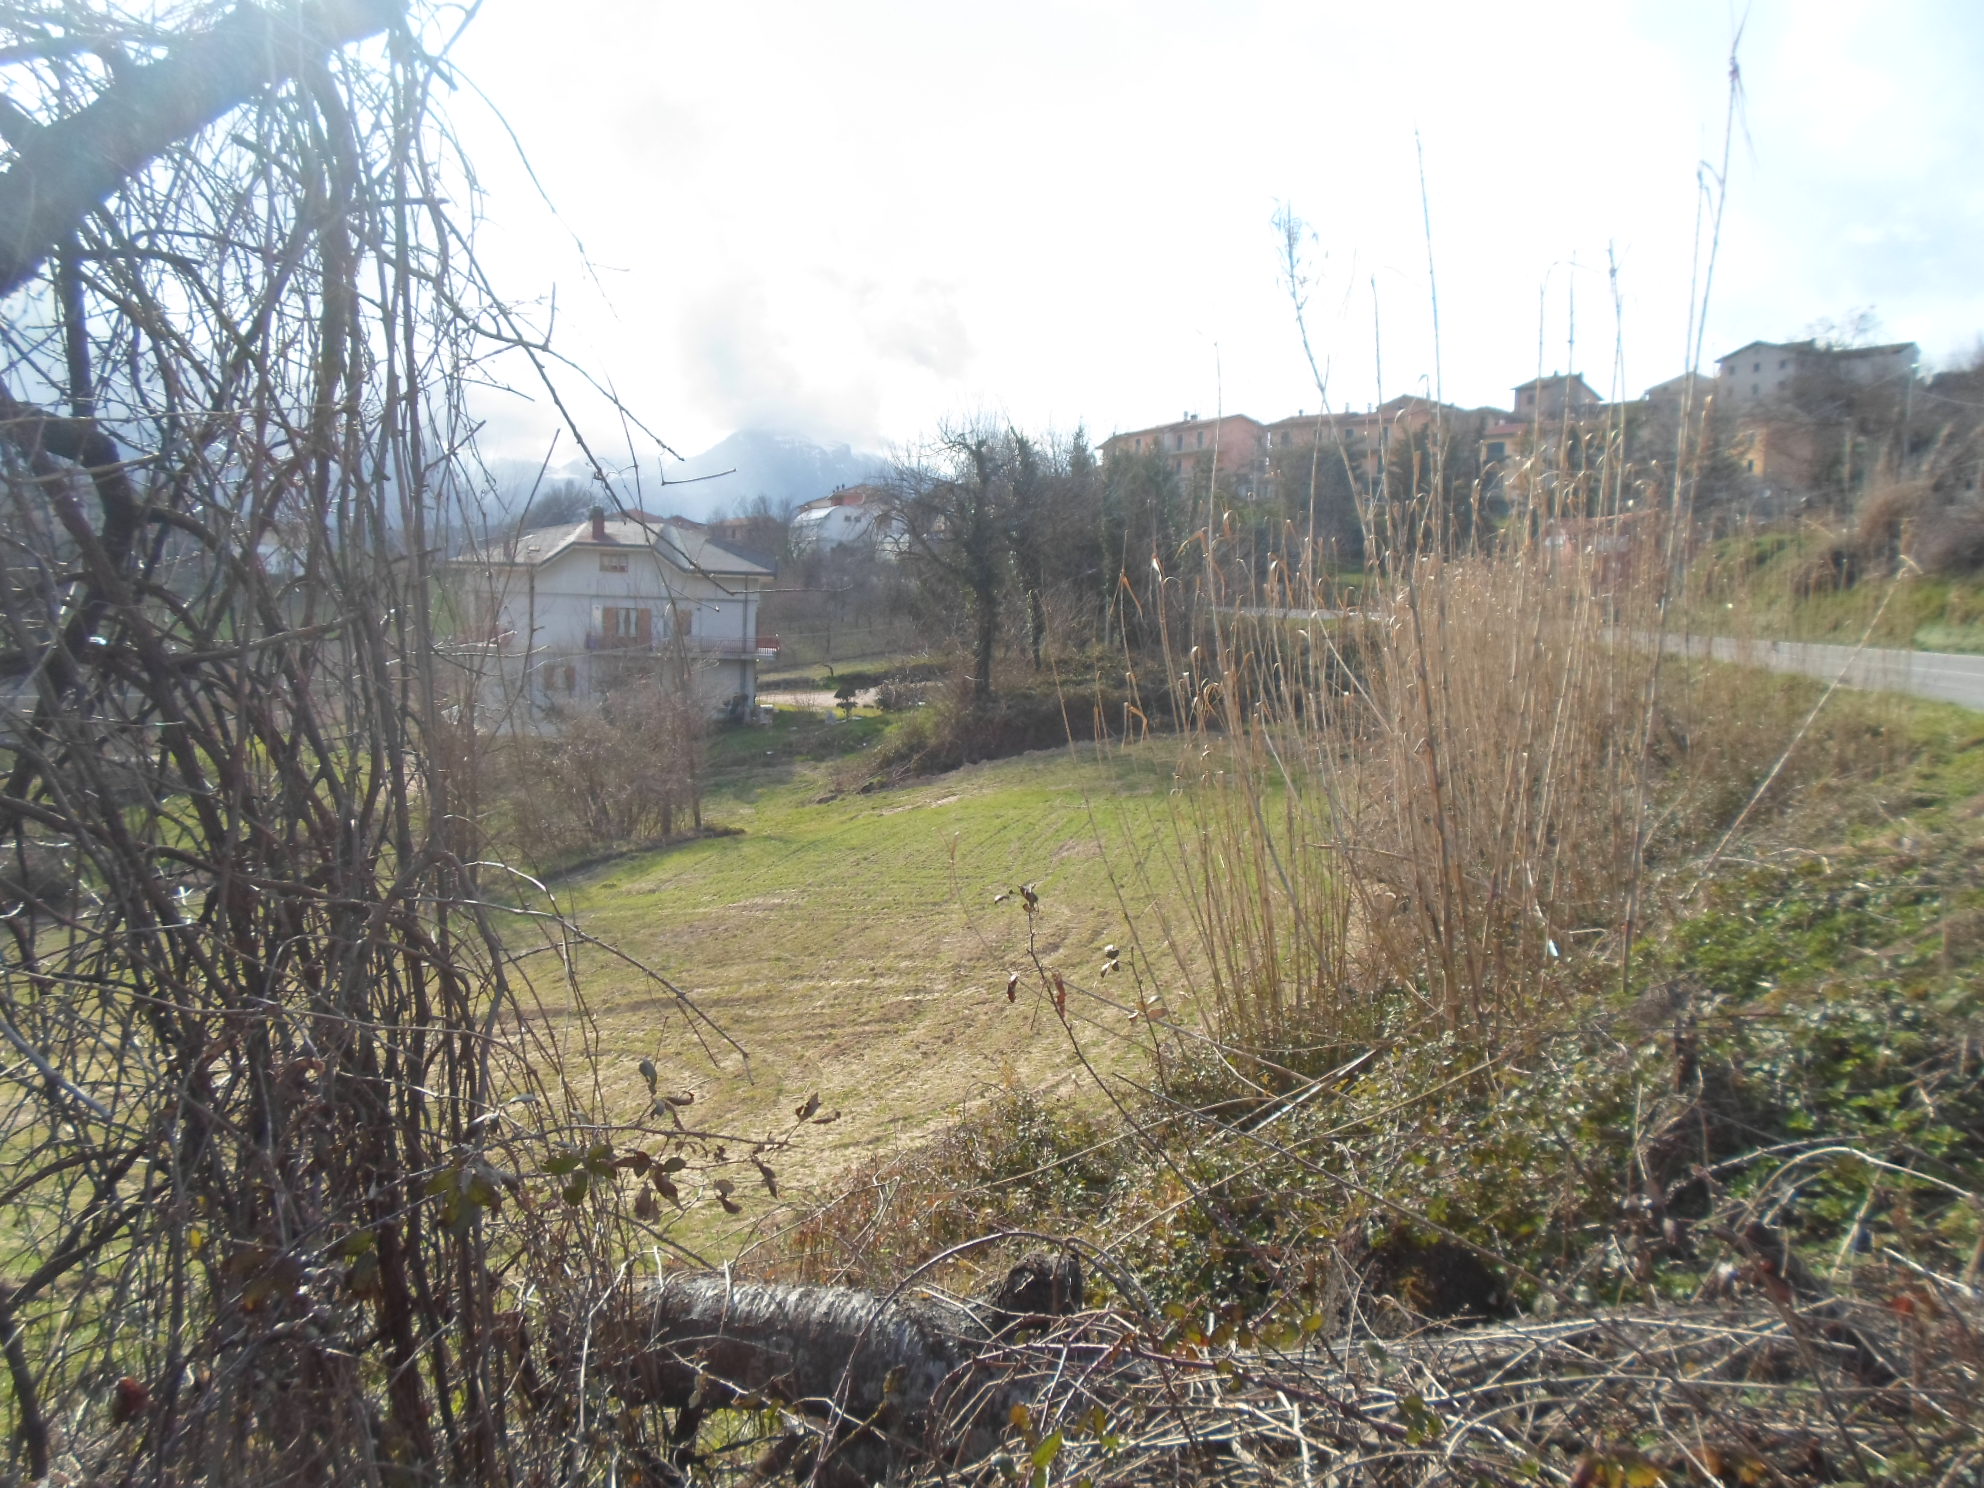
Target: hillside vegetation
pixel 1533 980
pixel 1456 1046
pixel 1808 584
pixel 1451 969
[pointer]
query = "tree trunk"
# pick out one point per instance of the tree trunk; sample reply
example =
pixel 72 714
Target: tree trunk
pixel 987 642
pixel 893 1379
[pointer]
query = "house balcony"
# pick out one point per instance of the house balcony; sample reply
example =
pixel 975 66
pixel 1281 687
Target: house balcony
pixel 714 648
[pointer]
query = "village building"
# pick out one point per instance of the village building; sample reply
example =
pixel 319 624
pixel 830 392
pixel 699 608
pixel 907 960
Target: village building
pixel 565 614
pixel 848 516
pixel 1354 439
pixel 1690 392
pixel 1192 444
pixel 1773 374
pixel 1560 395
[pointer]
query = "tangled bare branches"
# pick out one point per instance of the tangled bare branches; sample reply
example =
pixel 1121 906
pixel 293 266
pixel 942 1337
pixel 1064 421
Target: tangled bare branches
pixel 269 1073
pixel 1745 1393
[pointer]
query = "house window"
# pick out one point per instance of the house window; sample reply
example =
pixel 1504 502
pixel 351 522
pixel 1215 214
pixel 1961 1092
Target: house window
pixel 1756 366
pixel 625 625
pixel 612 562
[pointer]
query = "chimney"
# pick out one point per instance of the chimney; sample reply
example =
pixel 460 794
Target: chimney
pixel 599 524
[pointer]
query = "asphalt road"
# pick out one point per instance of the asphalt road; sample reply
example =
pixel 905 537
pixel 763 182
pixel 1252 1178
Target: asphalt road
pixel 1941 675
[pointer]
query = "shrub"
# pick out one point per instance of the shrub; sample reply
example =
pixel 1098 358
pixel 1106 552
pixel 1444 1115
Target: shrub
pixel 1950 542
pixel 1020 1161
pixel 629 770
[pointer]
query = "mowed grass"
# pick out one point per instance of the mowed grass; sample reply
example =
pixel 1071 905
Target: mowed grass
pixel 856 945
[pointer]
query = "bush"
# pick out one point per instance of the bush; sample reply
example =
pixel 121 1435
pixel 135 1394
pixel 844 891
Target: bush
pixel 1019 1162
pixel 1950 543
pixel 937 735
pixel 37 875
pixel 898 696
pixel 627 771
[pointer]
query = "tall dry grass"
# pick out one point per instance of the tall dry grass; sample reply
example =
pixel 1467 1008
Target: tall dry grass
pixel 1419 811
pixel 1447 813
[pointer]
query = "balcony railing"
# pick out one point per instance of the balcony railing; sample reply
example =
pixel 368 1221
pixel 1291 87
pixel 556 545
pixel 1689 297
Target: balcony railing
pixel 727 648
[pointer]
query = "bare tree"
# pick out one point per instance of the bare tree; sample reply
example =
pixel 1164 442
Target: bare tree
pixel 954 508
pixel 268 1077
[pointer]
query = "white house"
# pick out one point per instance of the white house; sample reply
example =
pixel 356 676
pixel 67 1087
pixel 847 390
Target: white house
pixel 859 515
pixel 570 612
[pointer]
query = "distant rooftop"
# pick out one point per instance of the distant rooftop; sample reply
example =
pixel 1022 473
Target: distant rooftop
pixel 686 544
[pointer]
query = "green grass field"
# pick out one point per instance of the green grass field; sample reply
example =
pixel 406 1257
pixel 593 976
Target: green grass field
pixel 855 945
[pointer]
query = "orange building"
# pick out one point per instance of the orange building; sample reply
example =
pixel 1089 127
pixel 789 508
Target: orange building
pixel 1191 445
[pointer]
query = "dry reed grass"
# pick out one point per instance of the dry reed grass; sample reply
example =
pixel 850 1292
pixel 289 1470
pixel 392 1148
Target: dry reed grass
pixel 1421 845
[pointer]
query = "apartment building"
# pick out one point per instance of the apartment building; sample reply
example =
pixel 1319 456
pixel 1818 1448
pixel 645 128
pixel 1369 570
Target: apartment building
pixel 1191 444
pixel 1557 396
pixel 1771 374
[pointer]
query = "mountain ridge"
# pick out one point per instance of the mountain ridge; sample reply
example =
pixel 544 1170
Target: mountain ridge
pixel 786 469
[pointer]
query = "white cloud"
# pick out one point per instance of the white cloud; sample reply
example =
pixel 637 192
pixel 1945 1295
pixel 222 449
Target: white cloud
pixel 856 219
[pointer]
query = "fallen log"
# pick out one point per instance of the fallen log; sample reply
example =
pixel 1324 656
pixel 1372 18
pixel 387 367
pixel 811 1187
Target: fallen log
pixel 892 1381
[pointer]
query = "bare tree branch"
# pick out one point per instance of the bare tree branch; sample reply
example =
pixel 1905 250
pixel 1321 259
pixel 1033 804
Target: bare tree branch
pixel 62 171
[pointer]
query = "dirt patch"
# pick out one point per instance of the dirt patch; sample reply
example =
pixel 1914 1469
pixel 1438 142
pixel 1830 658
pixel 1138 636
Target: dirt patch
pixel 923 805
pixel 766 901
pixel 813 699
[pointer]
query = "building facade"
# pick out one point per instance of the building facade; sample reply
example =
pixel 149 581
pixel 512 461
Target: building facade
pixel 1777 374
pixel 1560 395
pixel 1191 445
pixel 567 613
pixel 859 516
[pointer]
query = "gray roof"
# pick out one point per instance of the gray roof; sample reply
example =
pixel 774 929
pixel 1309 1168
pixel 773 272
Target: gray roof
pixel 685 544
pixel 698 550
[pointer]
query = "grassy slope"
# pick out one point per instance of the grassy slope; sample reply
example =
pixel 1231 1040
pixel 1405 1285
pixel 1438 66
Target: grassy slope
pixel 852 944
pixel 1834 968
pixel 1924 614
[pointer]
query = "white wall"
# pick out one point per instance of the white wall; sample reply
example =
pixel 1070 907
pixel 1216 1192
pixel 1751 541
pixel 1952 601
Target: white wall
pixel 546 616
pixel 829 526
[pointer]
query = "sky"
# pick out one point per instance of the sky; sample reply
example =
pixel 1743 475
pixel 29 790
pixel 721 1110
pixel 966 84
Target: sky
pixel 860 221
